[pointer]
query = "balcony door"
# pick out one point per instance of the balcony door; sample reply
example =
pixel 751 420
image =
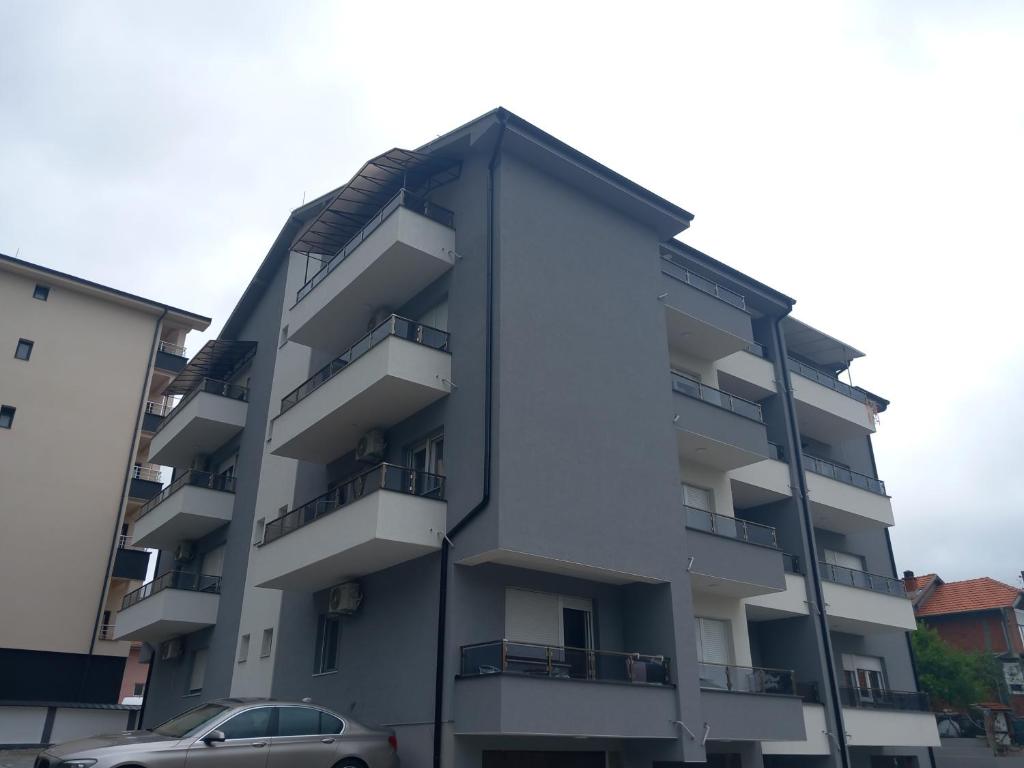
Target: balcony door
pixel 540 624
pixel 427 459
pixel 864 674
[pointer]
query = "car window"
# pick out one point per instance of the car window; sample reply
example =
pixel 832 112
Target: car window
pixel 251 724
pixel 189 722
pixel 298 721
pixel 330 723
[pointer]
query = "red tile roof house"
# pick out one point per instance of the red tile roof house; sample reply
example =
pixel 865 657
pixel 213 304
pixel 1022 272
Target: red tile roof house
pixel 976 615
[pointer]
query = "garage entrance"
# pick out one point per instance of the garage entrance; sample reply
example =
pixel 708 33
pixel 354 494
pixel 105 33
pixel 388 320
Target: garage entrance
pixel 505 759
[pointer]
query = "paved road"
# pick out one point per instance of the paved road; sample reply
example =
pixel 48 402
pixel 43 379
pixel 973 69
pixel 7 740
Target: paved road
pixel 17 758
pixel 973 753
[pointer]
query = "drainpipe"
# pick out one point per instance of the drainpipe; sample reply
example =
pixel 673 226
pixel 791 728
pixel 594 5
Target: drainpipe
pixel 803 504
pixel 124 492
pixel 485 497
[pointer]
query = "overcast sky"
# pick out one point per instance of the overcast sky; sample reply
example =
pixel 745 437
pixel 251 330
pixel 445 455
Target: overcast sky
pixel 865 158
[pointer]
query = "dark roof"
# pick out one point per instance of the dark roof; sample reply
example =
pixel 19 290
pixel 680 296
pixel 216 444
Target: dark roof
pixel 218 359
pixel 200 320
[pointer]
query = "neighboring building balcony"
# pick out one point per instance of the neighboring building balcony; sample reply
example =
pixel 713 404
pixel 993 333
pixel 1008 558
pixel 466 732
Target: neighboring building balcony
pixel 845 501
pixel 716 429
pixel 145 482
pixel 881 718
pixel 176 603
pixel 170 358
pixel 861 603
pixel 827 407
pixel 153 415
pixel 130 563
pixel 750 703
pixel 506 687
pixel 705 320
pixel 195 504
pixel 404 248
pixel 379 518
pixel 206 418
pixel 731 556
pixel 394 371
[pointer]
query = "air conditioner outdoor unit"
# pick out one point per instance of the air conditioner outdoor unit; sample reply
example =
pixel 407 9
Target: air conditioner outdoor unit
pixel 371 447
pixel 171 649
pixel 184 552
pixel 344 598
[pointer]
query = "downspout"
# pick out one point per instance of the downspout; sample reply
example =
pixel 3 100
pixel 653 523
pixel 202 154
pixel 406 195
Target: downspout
pixel 124 492
pixel 485 497
pixel 805 515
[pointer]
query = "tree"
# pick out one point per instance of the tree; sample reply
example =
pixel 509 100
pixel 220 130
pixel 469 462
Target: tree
pixel 952 677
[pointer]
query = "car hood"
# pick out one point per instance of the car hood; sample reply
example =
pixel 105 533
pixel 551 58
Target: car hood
pixel 80 747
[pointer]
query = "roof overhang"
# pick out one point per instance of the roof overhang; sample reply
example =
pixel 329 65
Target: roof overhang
pixel 827 352
pixel 218 359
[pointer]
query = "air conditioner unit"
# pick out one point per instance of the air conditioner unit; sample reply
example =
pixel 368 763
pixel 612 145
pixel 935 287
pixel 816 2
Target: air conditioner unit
pixel 171 649
pixel 344 598
pixel 184 552
pixel 371 447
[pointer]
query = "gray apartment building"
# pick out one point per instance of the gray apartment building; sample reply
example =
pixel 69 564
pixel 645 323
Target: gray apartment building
pixel 486 454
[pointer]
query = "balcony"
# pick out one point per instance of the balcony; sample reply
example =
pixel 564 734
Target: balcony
pixel 380 518
pixel 704 319
pixel 522 688
pixel 845 501
pixel 404 248
pixel 130 563
pixel 145 483
pixel 170 358
pixel 790 602
pixel 176 603
pixel 876 718
pixel 153 415
pixel 206 418
pixel 732 557
pixel 716 429
pixel 827 408
pixel 394 371
pixel 750 703
pixel 748 373
pixel 195 504
pixel 862 603
pixel 761 483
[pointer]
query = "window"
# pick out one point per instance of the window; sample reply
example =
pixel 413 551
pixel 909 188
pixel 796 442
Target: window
pixel 427 457
pixel 243 648
pixel 41 292
pixel 195 678
pixel 6 416
pixel 213 562
pixel 251 724
pixel 267 643
pixel 327 633
pixel 139 689
pixel 24 349
pixel 864 674
pixel 698 498
pixel 714 641
pixel 844 560
pixel 298 721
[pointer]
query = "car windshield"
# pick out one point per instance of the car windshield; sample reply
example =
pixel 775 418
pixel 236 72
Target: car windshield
pixel 184 724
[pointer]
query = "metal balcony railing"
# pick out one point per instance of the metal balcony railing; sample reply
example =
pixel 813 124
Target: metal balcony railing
pixel 383 477
pixel 873 698
pixel 851 577
pixel 150 474
pixel 681 273
pixel 716 397
pixel 727 677
pixel 158 409
pixel 193 477
pixel 189 582
pixel 843 474
pixel 171 349
pixel 106 632
pixel 826 379
pixel 209 386
pixel 730 527
pixel 563 663
pixel 404 199
pixel 394 325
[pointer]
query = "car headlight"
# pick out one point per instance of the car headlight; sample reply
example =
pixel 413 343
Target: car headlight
pixel 84 762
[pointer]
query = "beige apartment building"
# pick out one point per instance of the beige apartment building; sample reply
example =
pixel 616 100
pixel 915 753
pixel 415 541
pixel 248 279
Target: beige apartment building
pixel 83 368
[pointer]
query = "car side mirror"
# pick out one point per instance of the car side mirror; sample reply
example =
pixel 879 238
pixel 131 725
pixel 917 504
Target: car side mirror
pixel 214 736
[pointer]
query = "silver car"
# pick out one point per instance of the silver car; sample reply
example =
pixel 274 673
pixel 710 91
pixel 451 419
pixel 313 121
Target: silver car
pixel 236 733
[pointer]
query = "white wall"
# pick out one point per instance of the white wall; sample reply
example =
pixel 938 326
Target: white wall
pixel 22 725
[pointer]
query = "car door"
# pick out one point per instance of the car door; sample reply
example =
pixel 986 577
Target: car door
pixel 305 737
pixel 246 742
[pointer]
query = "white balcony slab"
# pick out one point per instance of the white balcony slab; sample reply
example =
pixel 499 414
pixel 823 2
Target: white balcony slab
pixel 845 508
pixel 747 375
pixel 888 728
pixel 816 743
pixel 188 513
pixel 760 483
pixel 388 384
pixel 864 611
pixel 166 614
pixel 780 605
pixel 406 253
pixel 827 415
pixel 200 426
pixel 376 532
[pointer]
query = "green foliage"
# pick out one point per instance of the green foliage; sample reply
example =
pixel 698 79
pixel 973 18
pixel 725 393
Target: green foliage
pixel 954 678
